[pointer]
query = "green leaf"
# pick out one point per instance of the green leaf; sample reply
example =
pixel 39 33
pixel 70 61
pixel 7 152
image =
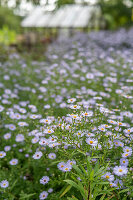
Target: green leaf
pixel 27 196
pixel 78 170
pixel 78 186
pixel 84 171
pixel 122 191
pixel 81 152
pixel 102 197
pixel 96 167
pixel 13 184
pixel 73 198
pixel 92 175
pixel 65 190
pixel 89 167
pixel 72 183
pixel 103 183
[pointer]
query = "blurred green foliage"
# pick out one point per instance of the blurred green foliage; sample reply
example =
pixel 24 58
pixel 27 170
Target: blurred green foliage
pixel 3 54
pixel 116 13
pixel 8 18
pixel 62 2
pixel 7 36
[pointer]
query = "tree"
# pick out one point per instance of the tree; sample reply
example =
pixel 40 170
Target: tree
pixel 8 18
pixel 116 13
pixel 62 2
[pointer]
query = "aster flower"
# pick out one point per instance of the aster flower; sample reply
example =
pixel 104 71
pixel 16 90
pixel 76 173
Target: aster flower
pixel 33 116
pixel 120 170
pixel 72 100
pixel 108 176
pixel 1 108
pixel 71 162
pixel 4 184
pixel 87 114
pixel 102 128
pixel 90 134
pixel 7 148
pixel 43 142
pixel 67 168
pixel 61 165
pixel 14 161
pixel 20 138
pixel 50 190
pixel 124 161
pixel 118 183
pixel 23 124
pixel 121 124
pixel 79 134
pixel 48 131
pixel 127 149
pixel 112 184
pixel 37 155
pixel 125 155
pixel 7 136
pixel 12 127
pixel 91 142
pixel 75 107
pixel 43 195
pixel 35 140
pixel 2 154
pixel 52 156
pixel 45 121
pixel 44 180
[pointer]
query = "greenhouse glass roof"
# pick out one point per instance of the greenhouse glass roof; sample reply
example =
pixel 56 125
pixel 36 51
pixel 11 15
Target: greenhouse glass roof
pixel 69 16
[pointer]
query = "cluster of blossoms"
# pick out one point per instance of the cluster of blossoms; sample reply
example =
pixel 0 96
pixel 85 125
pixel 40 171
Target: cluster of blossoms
pixel 77 104
pixel 65 167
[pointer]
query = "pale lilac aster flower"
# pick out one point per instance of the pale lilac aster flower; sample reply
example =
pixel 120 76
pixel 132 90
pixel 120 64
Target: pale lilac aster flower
pixel 120 170
pixel 2 154
pixel 37 155
pixel 43 195
pixel 52 156
pixel 14 161
pixel 4 184
pixel 44 180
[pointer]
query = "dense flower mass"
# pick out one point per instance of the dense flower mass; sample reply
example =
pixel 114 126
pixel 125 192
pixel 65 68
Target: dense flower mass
pixel 74 105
